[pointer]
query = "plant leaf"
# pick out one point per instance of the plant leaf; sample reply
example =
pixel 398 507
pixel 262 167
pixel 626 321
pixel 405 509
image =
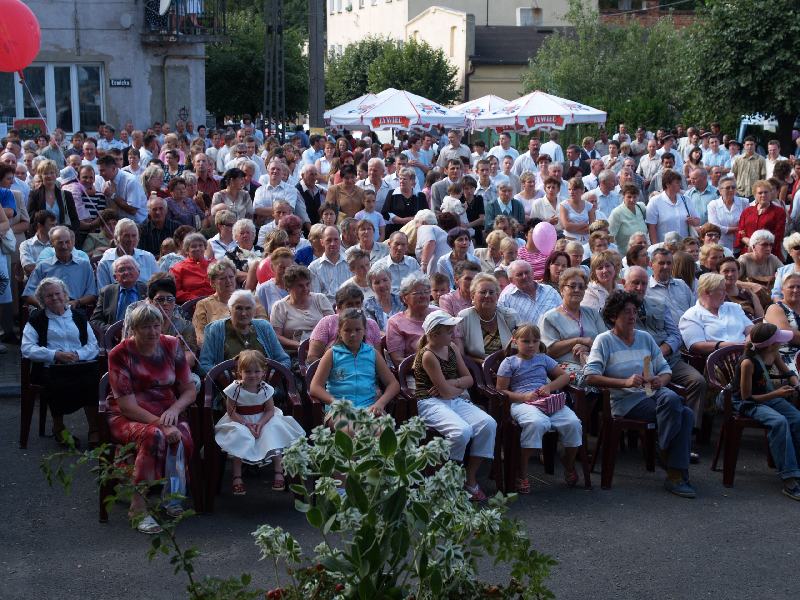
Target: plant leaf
pixel 388 442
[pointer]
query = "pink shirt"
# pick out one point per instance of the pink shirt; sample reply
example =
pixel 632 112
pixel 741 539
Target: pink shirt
pixel 402 333
pixel 536 260
pixel 326 331
pixel 453 303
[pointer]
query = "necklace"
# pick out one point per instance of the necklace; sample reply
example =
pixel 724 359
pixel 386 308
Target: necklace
pixel 577 319
pixel 493 317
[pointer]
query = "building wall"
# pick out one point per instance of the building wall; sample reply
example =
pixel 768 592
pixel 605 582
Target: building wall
pixel 500 80
pixel 109 33
pixel 387 18
pixel 445 29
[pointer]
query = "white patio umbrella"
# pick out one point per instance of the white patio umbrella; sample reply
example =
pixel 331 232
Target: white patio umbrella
pixel 480 107
pixel 350 107
pixel 539 110
pixel 398 109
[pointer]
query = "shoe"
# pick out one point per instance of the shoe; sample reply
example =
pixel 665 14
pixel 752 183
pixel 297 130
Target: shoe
pixel 792 492
pixel 279 483
pixel 174 510
pixel 476 493
pixel 522 485
pixel 149 526
pixel 571 478
pixel 238 488
pixel 694 458
pixel 681 488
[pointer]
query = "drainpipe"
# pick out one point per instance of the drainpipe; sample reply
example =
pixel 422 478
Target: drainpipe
pixel 164 73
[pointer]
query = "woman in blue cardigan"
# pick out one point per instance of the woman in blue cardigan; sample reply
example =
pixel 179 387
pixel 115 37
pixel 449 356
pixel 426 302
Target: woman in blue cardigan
pixel 224 339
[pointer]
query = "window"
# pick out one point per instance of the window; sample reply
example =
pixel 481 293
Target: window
pixel 452 51
pixel 69 96
pixel 528 17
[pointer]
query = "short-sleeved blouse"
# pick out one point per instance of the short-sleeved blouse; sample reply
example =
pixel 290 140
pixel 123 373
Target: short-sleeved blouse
pixel 573 216
pixel 184 213
pixel 403 333
pixel 299 323
pixel 556 327
pixel 153 380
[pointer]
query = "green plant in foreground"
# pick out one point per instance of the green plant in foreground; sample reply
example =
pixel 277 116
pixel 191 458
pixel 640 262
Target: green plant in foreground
pixel 398 531
pixel 404 527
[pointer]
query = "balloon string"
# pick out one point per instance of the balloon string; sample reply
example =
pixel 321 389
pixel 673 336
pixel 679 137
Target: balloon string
pixel 24 82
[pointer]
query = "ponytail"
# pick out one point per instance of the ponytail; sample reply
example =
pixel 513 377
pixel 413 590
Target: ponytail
pixel 422 346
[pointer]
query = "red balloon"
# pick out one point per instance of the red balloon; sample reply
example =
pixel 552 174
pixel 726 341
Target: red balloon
pixel 20 37
pixel 264 271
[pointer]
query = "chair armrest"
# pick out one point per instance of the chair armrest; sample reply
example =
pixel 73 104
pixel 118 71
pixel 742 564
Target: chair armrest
pixel 317 411
pixel 678 389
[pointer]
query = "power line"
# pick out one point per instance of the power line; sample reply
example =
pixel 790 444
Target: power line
pixel 648 8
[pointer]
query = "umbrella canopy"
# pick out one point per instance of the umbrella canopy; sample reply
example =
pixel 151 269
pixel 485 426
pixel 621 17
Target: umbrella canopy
pixel 398 109
pixel 539 110
pixel 480 106
pixel 348 106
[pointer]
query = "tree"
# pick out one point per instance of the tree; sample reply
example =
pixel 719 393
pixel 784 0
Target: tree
pixel 418 68
pixel 346 74
pixel 630 72
pixel 745 60
pixel 235 70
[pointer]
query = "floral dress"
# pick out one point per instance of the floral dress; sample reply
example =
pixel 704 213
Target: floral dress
pixel 790 351
pixel 154 382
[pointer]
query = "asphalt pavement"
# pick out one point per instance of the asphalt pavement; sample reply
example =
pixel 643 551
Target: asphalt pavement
pixel 634 541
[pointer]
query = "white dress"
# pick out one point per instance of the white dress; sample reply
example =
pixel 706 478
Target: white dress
pixel 236 440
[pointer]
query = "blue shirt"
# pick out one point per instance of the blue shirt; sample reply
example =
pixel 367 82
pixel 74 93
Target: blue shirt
pixel 526 374
pixel 7 200
pixel 352 376
pixel 77 275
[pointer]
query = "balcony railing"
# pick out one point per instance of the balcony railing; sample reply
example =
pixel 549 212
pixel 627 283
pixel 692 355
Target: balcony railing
pixel 185 21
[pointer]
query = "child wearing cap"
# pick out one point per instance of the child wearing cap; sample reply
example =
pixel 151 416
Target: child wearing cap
pixel 755 396
pixel 442 380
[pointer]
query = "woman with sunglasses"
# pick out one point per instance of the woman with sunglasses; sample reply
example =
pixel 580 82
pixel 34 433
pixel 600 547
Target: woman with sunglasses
pixel 792 246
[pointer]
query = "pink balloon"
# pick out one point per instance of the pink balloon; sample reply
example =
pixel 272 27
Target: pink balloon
pixel 20 37
pixel 544 237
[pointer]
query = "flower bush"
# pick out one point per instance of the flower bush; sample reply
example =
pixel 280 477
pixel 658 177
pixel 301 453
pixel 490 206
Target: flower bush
pixel 404 526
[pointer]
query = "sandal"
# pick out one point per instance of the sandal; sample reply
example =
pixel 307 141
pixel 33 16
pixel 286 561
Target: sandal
pixel 476 493
pixel 571 478
pixel 149 526
pixel 279 483
pixel 238 488
pixel 522 485
pixel 174 510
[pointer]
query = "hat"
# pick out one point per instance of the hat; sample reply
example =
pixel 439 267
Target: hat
pixel 669 136
pixel 734 141
pixel 781 336
pixel 67 174
pixel 439 317
pixel 706 134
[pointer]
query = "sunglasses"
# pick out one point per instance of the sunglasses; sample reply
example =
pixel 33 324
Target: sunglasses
pixel 164 300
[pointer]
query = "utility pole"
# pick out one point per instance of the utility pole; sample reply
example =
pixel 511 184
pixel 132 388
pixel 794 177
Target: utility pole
pixel 316 62
pixel 274 100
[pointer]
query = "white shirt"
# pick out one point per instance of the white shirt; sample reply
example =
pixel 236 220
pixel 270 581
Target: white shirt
pixel 698 324
pixel 267 194
pixel 525 162
pixel 553 150
pixel 62 336
pixel 105 145
pixel 132 192
pixel 723 217
pixel 667 216
pixel 328 276
pixel 605 203
pixel 528 309
pixel 384 189
pixel 399 270
pixel 500 152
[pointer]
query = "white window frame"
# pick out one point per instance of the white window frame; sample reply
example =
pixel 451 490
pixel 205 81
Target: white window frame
pixel 50 93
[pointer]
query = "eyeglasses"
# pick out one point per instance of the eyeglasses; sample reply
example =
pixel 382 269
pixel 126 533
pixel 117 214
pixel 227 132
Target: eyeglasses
pixel 164 300
pixel 575 287
pixel 425 293
pixel 712 234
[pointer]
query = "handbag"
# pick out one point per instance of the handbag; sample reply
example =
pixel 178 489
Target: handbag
pixel 175 473
pixel 549 404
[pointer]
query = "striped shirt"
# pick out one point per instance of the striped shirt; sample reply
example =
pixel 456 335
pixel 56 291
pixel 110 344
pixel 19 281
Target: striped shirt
pixel 328 276
pixel 529 309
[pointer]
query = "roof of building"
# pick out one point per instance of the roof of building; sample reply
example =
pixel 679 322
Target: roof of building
pixel 509 44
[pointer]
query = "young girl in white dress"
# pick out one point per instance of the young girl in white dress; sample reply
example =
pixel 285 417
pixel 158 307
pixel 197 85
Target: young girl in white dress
pixel 254 430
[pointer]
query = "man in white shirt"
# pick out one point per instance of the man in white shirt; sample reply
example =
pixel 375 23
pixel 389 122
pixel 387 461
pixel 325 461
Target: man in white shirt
pixel 90 155
pixel 122 190
pixel 604 198
pixel 455 149
pixel 529 299
pixel 107 142
pixel 376 183
pixel 601 143
pixel 622 134
pixel 649 164
pixel 552 148
pixel 668 145
pixel 639 145
pixel 700 193
pixel 504 148
pixel 773 156
pixel 273 187
pixel 399 263
pixel 315 149
pixel 529 160
pixel 591 181
pixel 485 188
pixel 224 153
pixel 330 270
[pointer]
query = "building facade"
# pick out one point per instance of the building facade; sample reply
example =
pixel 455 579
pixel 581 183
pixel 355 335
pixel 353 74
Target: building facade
pixel 115 62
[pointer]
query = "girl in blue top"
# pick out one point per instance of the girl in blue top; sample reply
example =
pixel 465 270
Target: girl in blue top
pixel 351 369
pixel 524 379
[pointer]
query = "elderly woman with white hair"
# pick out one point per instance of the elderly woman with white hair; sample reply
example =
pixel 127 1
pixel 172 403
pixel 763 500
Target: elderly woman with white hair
pixel 431 241
pixel 246 252
pixel 760 264
pixel 713 323
pixel 126 236
pixel 227 337
pixel 62 347
pixel 404 329
pixel 223 242
pixel 792 246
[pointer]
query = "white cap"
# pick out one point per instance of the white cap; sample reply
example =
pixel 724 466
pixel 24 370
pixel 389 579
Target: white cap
pixel 439 317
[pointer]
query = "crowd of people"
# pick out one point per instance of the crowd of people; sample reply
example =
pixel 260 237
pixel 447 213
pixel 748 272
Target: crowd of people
pixel 666 242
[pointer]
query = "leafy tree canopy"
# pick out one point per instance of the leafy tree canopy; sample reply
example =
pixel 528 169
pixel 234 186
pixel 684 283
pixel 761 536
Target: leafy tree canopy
pixel 346 74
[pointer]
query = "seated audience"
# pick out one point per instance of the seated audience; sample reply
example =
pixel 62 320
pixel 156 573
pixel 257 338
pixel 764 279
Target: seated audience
pixel 295 316
pixel 191 274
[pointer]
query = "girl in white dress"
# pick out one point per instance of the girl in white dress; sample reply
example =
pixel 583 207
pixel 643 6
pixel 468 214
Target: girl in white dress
pixel 254 430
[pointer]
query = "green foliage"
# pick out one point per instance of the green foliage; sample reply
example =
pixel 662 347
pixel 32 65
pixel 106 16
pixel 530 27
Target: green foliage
pixel 346 74
pixel 235 70
pixel 744 59
pixel 417 67
pixel 397 531
pixel 374 64
pixel 631 72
